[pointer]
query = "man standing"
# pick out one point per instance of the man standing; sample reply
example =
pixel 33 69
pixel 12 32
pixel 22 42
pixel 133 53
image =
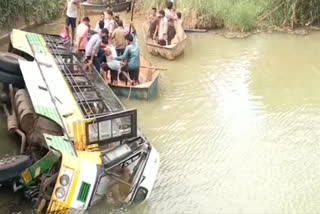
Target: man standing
pixel 132 54
pixel 93 47
pixel 153 20
pixel 172 18
pixel 162 29
pixel 71 11
pixel 82 34
pixel 118 35
pixel 109 22
pixel 98 25
pixel 108 9
pixel 153 15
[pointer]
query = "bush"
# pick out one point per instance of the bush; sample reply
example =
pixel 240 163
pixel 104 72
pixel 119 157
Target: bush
pixel 245 15
pixel 31 10
pixel 242 16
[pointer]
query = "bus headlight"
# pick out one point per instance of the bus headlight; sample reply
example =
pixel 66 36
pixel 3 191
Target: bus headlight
pixel 60 192
pixel 64 180
pixel 141 195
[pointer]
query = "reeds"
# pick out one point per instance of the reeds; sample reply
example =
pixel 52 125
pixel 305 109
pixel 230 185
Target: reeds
pixel 245 15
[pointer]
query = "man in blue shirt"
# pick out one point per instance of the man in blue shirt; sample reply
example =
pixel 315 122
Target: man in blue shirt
pixel 132 55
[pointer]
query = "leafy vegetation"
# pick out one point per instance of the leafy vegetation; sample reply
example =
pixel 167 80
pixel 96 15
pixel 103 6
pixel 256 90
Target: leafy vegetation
pixel 30 10
pixel 245 15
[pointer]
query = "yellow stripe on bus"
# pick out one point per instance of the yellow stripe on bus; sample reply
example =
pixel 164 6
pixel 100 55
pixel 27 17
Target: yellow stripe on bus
pixel 92 157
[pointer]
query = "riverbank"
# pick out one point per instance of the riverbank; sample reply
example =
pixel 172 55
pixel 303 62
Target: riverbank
pixel 24 14
pixel 271 29
pixel 246 16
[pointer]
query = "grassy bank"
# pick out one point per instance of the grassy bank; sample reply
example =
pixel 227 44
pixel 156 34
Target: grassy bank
pixel 29 10
pixel 245 15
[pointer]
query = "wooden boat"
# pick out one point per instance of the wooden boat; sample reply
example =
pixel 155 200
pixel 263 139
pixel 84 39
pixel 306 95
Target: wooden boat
pixel 170 52
pixel 196 30
pixel 93 7
pixel 149 79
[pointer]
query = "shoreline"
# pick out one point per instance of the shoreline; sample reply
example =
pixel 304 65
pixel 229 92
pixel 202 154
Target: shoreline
pixel 5 36
pixel 229 34
pixel 302 31
pixel 222 31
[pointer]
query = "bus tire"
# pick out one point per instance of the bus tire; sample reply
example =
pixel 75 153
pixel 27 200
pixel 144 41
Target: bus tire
pixel 8 78
pixel 9 62
pixel 11 167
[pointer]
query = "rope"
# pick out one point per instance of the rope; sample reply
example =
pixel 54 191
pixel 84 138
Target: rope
pixel 129 93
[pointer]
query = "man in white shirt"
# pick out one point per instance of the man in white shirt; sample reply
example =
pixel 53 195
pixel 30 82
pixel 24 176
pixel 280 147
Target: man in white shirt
pixel 82 34
pixel 162 29
pixel 109 22
pixel 112 65
pixel 71 11
pixel 93 47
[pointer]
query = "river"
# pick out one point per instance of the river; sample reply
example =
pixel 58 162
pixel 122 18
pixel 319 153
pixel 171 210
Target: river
pixel 236 124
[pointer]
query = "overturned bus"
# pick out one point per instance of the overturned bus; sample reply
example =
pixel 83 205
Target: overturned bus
pixel 79 144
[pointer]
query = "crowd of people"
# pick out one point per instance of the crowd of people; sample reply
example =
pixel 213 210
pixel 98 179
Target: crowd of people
pixel 110 47
pixel 165 26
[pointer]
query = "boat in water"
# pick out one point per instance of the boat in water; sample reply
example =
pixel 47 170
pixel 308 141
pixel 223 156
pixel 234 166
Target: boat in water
pixel 98 6
pixel 148 87
pixel 170 52
pixel 80 146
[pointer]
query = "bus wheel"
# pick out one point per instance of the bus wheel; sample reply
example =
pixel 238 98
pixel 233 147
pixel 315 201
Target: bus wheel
pixel 9 62
pixel 11 167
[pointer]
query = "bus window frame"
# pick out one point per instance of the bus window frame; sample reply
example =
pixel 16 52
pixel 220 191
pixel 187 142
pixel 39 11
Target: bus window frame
pixel 133 125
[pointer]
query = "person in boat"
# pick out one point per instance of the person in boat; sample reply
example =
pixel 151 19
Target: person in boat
pixel 172 18
pixel 117 19
pixel 82 34
pixel 109 22
pixel 153 16
pixel 132 55
pixel 160 34
pixel 118 36
pixel 180 34
pixel 108 9
pixel 71 11
pixel 98 25
pixel 92 48
pixel 153 22
pixel 111 65
pixel 106 43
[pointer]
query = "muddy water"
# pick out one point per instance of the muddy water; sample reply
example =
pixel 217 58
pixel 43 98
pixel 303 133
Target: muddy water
pixel 236 123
